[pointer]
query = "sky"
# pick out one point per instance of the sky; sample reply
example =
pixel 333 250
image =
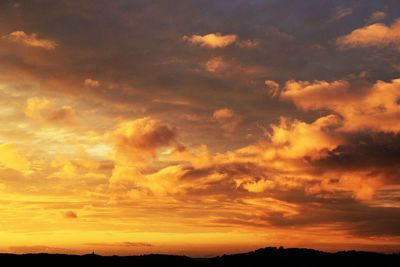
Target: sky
pixel 199 127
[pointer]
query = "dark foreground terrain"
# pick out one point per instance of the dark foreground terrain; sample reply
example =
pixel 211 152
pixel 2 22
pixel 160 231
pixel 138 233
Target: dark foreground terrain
pixel 262 257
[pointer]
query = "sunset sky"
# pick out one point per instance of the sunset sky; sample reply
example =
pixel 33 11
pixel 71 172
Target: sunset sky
pixel 199 127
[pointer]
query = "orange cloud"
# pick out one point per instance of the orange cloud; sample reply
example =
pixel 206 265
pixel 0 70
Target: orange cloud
pixel 212 40
pixel 141 138
pixel 44 110
pixel 216 40
pixel 91 82
pixel 227 119
pixel 259 186
pixel 296 139
pixel 374 107
pixel 223 113
pixel 31 40
pixel 377 34
pixel 287 160
pixel 136 144
pixel 166 181
pixel 317 95
pixel 35 106
pixel 362 185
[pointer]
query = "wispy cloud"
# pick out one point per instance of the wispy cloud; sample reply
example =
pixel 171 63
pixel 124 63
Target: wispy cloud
pixel 30 40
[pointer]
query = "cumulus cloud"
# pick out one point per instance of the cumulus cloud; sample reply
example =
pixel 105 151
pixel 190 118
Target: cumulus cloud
pixel 42 109
pixel 171 180
pixel 374 107
pixel 227 119
pixel 10 158
pixel 142 138
pixel 346 161
pixel 318 94
pixel 362 185
pixel 317 157
pixel 166 181
pixel 30 40
pixel 377 34
pixel 259 186
pixel 308 156
pixel 296 139
pixel 217 40
pixel 212 40
pixel 91 82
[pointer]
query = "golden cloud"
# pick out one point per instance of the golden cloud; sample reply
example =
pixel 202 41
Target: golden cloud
pixel 141 138
pixel 30 40
pixel 91 82
pixel 216 40
pixel 318 94
pixel 373 108
pixel 362 185
pixel 212 40
pixel 296 139
pixel 10 158
pixel 377 34
pixel 42 109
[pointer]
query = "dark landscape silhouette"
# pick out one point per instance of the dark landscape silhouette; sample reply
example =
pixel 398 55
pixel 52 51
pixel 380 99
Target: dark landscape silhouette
pixel 270 256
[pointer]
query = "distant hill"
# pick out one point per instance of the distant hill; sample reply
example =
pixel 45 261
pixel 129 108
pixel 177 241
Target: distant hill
pixel 270 256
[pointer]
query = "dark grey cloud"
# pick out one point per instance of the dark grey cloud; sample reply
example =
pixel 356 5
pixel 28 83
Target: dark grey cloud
pixel 358 218
pixel 377 152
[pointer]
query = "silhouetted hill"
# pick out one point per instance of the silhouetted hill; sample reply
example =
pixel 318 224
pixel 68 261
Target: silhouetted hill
pixel 263 257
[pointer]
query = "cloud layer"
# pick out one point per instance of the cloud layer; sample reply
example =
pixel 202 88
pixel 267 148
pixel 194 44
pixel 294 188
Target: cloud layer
pixel 130 123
